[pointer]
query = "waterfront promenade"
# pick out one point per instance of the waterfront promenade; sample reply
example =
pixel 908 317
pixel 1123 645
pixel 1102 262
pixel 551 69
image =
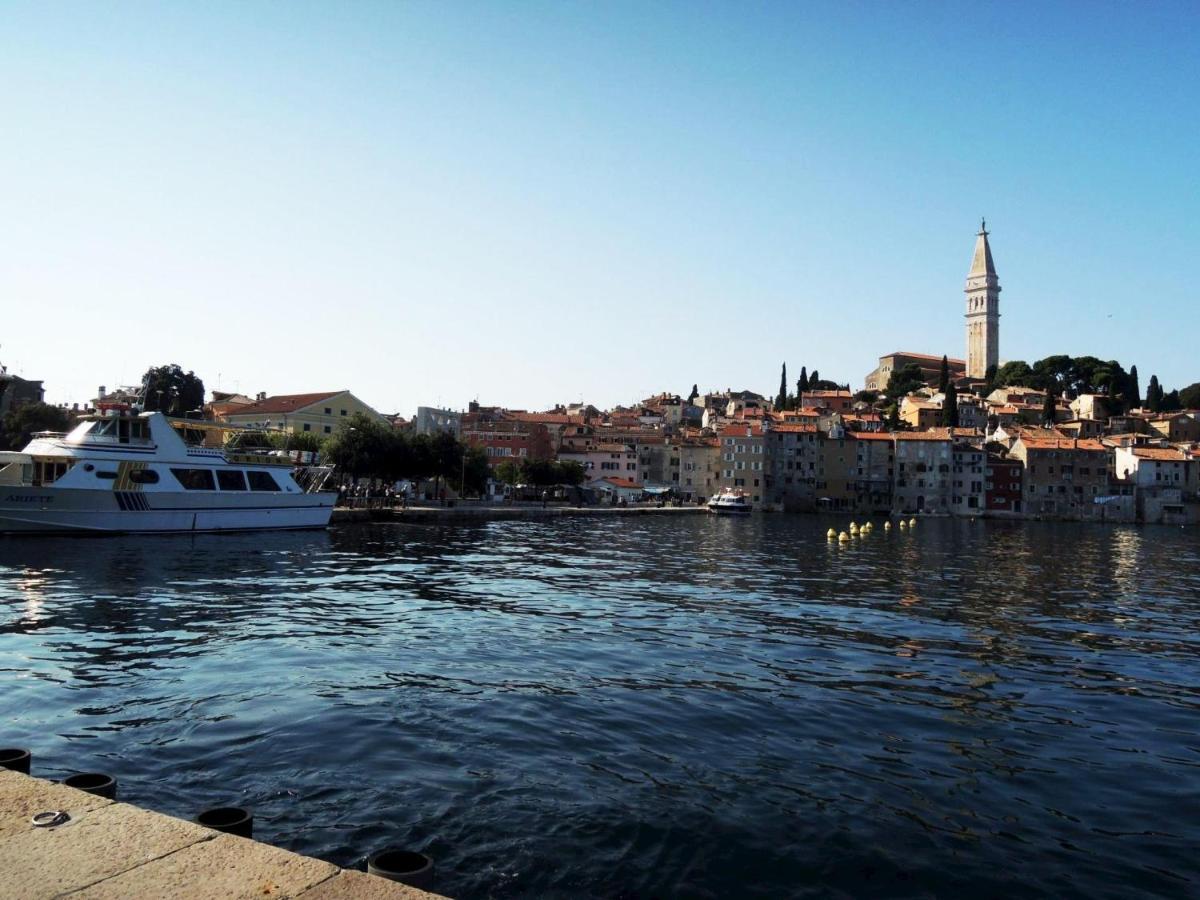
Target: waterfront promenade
pixel 500 511
pixel 112 850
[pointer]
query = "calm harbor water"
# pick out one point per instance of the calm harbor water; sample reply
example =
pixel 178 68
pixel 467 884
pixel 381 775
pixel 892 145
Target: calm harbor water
pixel 642 707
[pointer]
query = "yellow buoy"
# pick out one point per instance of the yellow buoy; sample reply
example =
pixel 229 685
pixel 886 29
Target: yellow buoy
pixel 868 527
pixel 903 524
pixel 912 523
pixel 887 526
pixel 843 538
pixel 853 526
pixel 831 534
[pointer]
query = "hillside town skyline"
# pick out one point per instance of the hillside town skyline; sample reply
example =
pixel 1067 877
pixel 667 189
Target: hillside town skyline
pixel 979 353
pixel 1065 437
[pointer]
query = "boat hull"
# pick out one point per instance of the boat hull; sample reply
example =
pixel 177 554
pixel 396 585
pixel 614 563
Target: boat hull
pixel 25 510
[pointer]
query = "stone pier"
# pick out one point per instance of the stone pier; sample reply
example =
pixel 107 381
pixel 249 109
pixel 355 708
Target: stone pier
pixel 114 850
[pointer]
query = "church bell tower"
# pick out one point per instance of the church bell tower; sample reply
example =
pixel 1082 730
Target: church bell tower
pixel 983 309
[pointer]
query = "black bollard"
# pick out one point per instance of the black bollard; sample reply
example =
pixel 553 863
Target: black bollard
pixel 93 783
pixel 405 866
pixel 228 819
pixel 15 758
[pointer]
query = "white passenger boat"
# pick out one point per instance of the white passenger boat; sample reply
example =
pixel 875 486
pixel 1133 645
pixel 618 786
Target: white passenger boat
pixel 729 503
pixel 124 472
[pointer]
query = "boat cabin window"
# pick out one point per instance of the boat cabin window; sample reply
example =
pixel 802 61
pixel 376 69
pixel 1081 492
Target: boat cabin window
pixel 195 479
pixel 262 481
pixel 107 476
pixel 143 476
pixel 231 479
pixel 125 430
pixel 49 472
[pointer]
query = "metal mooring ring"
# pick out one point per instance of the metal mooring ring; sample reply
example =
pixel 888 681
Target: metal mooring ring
pixel 50 819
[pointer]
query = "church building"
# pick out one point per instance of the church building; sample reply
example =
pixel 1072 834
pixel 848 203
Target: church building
pixel 983 329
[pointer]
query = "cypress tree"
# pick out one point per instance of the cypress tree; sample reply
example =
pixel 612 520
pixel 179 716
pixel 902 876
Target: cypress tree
pixel 1154 394
pixel 694 394
pixel 802 384
pixel 944 380
pixel 990 377
pixel 1133 390
pixel 781 400
pixel 1048 408
pixel 950 407
pixel 813 379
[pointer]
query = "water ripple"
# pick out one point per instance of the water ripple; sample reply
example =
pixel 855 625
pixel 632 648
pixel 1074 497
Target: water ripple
pixel 642 707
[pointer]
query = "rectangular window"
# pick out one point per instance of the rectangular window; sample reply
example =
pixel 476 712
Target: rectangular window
pixel 329 410
pixel 328 429
pixel 307 426
pixel 195 479
pixel 262 481
pixel 231 480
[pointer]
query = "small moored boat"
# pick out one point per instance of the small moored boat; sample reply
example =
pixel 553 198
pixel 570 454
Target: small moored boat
pixel 730 503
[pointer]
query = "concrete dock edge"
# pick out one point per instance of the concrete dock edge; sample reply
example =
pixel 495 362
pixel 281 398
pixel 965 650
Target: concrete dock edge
pixel 114 850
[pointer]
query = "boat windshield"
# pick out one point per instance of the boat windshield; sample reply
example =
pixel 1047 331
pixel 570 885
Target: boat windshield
pixel 119 430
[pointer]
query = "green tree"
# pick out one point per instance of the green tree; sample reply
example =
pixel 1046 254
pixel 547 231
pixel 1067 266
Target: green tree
pixel 1049 406
pixel 1014 374
pixel 21 423
pixel 1170 402
pixel 802 384
pixel 570 472
pixel 508 472
pixel 893 417
pixel 306 441
pixel 474 472
pixel 360 448
pixel 170 390
pixel 781 401
pixel 989 378
pixel 1133 390
pixel 1189 397
pixel 950 407
pixel 693 395
pixel 1154 394
pixel 904 381
pixel 944 378
pixel 1053 373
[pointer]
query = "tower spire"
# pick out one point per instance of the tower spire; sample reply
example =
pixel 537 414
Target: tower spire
pixel 981 262
pixel 983 308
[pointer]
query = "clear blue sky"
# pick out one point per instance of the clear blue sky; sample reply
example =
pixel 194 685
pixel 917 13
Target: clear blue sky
pixel 530 203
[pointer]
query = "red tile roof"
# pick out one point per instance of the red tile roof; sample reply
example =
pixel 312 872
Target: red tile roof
pixel 622 483
pixel 283 403
pixel 542 418
pixel 1064 443
pixel 953 362
pixel 1165 454
pixel 740 430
